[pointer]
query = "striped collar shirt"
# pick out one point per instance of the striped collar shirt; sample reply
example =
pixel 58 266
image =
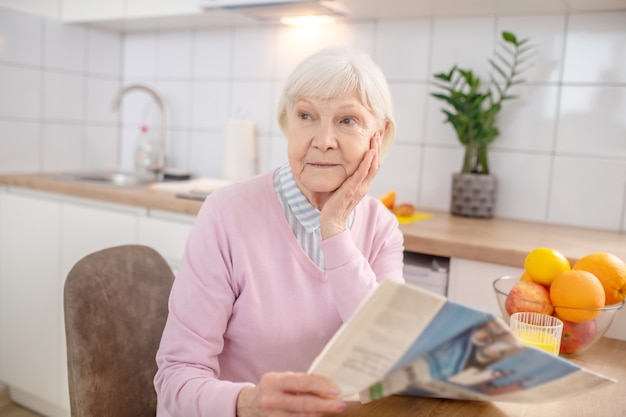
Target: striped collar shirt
pixel 302 216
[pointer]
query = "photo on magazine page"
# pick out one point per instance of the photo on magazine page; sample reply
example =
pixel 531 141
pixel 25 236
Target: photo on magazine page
pixel 469 354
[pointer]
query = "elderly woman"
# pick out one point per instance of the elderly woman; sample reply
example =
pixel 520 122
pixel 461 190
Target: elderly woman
pixel 275 264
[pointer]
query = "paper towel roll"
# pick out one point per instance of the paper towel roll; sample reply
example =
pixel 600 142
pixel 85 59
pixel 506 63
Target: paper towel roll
pixel 239 150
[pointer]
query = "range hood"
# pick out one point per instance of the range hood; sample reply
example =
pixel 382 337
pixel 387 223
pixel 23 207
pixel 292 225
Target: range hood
pixel 275 9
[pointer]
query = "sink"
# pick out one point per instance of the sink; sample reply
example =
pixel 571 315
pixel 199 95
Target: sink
pixel 115 178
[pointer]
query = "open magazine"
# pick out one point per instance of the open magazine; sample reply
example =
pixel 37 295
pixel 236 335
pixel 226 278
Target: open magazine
pixel 406 340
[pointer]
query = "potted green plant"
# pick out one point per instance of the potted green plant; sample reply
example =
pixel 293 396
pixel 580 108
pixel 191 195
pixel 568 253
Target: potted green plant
pixel 473 112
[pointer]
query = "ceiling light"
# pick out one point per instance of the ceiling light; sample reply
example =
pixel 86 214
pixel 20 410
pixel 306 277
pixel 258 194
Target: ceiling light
pixel 314 20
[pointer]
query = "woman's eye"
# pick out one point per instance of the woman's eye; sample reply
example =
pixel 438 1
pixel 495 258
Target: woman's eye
pixel 348 121
pixel 304 116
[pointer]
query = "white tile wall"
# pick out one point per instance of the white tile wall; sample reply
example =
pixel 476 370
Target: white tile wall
pixel 205 154
pixel 438 164
pixel 522 187
pixel 400 167
pixel 293 44
pixel 561 156
pixel 19 146
pixel 409 105
pixel 538 103
pixel 356 35
pixel 99 100
pixel 547 33
pixel 624 206
pixel 212 53
pixel 592 121
pixel 104 53
pixel 178 148
pixel 587 191
pixel 62 147
pixel 21 38
pixel 595 48
pixel 210 104
pixel 402 49
pixel 101 147
pixel 174 58
pixel 176 95
pixel 140 56
pixel 65 46
pixel 253 100
pixel 57 83
pixel 467 43
pixel 253 50
pixel 21 92
pixel 63 97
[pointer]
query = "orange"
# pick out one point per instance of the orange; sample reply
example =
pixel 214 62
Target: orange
pixel 388 199
pixel 580 290
pixel 544 264
pixel 610 270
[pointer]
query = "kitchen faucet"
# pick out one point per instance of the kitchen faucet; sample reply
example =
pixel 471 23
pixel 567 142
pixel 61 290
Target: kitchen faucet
pixel 158 167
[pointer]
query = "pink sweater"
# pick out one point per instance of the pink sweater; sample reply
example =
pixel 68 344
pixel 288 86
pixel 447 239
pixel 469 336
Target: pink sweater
pixel 248 300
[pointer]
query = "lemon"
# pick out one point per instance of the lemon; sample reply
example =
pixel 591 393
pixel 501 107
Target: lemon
pixel 544 264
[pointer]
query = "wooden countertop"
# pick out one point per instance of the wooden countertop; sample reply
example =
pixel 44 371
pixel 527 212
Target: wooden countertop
pixel 605 357
pixel 505 241
pixel 142 196
pixel 499 241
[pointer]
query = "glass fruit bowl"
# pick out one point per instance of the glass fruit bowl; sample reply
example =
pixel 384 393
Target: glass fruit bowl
pixel 576 337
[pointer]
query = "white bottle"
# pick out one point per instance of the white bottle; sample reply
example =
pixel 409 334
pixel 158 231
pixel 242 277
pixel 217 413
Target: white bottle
pixel 144 152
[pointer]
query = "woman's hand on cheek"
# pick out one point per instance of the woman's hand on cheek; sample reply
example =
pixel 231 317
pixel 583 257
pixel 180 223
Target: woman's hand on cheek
pixel 289 394
pixel 337 209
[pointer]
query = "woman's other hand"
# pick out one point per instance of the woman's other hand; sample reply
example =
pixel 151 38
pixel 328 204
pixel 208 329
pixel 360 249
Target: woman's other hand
pixel 337 209
pixel 289 394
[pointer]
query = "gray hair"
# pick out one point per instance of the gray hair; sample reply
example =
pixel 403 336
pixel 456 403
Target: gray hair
pixel 338 72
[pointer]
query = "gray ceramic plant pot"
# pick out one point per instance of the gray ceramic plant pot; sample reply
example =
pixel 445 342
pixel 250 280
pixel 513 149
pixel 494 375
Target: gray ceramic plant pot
pixel 473 195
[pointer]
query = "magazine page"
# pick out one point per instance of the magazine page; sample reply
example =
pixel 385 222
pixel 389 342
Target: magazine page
pixel 403 339
pixel 485 362
pixel 382 329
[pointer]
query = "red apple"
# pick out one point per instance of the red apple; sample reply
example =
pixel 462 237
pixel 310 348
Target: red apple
pixel 528 296
pixel 577 336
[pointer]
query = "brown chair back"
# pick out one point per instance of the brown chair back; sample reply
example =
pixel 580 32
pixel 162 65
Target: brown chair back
pixel 115 303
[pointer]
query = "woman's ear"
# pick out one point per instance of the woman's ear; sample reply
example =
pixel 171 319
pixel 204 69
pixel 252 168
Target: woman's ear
pixel 384 128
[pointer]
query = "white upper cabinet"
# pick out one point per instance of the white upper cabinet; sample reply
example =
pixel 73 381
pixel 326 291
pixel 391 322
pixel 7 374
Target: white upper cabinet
pixel 134 15
pixel 160 8
pixel 98 10
pixel 90 10
pixel 46 8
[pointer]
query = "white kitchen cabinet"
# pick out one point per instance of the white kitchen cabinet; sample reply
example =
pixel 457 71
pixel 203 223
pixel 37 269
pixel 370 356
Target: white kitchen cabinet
pixel 85 228
pixel 124 14
pixel 46 8
pixel 42 236
pixel 160 8
pixel 166 233
pixel 470 283
pixel 90 10
pixel 29 271
pixel 94 10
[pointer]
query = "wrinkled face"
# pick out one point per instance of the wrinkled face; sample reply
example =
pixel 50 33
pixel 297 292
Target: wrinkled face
pixel 326 140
